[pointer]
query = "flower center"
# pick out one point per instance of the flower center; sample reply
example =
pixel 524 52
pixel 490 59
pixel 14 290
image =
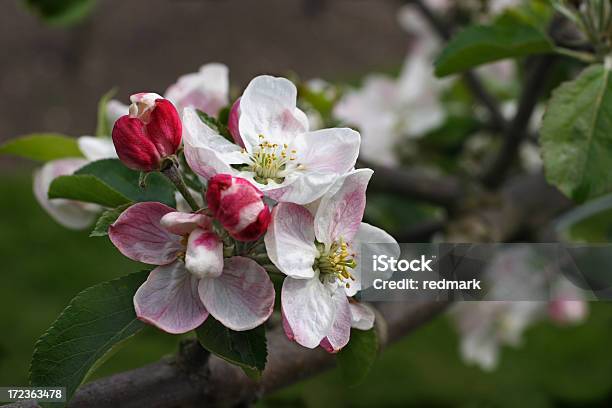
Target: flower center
pixel 336 263
pixel 270 161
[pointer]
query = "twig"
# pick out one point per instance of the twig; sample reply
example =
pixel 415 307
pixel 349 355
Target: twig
pixel 471 79
pixel 517 131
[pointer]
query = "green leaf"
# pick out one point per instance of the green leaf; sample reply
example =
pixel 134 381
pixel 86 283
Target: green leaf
pixel 508 37
pixel 86 188
pixel 215 125
pixel 591 222
pixel 106 219
pixel 109 183
pixel 96 321
pixel 104 128
pixel 356 359
pixel 576 135
pixel 246 349
pixel 61 12
pixel 42 147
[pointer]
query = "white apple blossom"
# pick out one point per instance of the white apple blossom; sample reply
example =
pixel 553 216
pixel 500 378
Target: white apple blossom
pixel 206 90
pixel 69 213
pixel 320 254
pixel 280 156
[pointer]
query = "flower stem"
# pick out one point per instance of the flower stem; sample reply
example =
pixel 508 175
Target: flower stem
pixel 174 175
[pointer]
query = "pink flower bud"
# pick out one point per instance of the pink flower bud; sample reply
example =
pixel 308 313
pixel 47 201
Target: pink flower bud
pixel 151 132
pixel 567 311
pixel 238 206
pixel 233 123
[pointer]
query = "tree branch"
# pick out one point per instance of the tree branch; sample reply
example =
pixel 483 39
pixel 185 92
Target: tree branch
pixel 415 184
pixel 471 79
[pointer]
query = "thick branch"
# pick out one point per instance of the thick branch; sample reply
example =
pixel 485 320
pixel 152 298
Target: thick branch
pixel 415 184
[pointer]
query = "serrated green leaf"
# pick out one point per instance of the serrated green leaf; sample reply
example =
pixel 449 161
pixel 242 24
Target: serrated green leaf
pixel 96 320
pixel 106 219
pixel 64 12
pixel 104 127
pixel 576 135
pixel 356 359
pixel 42 147
pixel 247 349
pixel 508 37
pixel 109 183
pixel 86 188
pixel 215 125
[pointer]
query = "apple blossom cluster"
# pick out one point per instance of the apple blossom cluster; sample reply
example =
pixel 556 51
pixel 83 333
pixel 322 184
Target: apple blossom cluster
pixel 274 198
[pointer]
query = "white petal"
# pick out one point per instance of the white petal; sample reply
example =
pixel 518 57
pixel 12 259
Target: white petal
pixel 362 316
pixel 341 209
pixel 182 223
pixel 290 240
pixel 97 148
pixel 242 298
pixel 309 309
pixel 115 110
pixel 328 150
pixel 379 242
pixel 207 152
pixel 169 299
pixel 268 107
pixel 69 213
pixel 204 257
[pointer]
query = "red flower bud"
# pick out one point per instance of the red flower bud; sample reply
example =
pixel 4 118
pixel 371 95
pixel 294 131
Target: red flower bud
pixel 151 132
pixel 238 206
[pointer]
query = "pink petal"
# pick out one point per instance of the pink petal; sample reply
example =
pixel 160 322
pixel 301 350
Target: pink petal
pixel 164 128
pixel 286 327
pixel 206 89
pixel 233 123
pixel 341 329
pixel 362 316
pixel 139 235
pixel 290 240
pixel 204 257
pixel 181 223
pixel 341 209
pixel 309 309
pixel 169 300
pixel 242 298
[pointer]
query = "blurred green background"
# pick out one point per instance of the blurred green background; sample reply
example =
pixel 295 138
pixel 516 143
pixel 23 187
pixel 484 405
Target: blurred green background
pixel 45 265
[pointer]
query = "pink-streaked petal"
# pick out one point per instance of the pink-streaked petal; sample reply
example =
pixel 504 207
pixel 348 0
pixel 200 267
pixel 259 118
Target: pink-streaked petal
pixel 68 213
pixel 338 156
pixel 268 107
pixel 181 223
pixel 242 298
pixel 204 257
pixel 206 90
pixel 286 327
pixel 233 123
pixel 290 240
pixel 341 328
pixel 362 316
pixel 169 299
pixel 309 309
pixel 139 235
pixel 341 209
